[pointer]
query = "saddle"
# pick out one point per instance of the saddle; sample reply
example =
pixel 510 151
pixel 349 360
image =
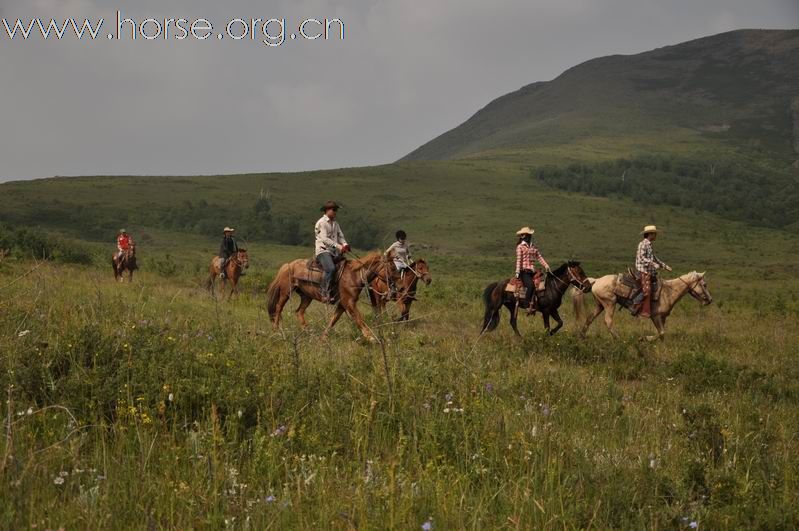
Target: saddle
pixel 516 287
pixel 313 272
pixel 628 285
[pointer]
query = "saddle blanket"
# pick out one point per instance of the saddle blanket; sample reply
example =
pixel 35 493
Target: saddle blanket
pixel 627 286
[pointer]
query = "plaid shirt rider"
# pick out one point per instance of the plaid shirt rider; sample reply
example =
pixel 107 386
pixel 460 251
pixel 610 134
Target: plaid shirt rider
pixel 645 259
pixel 526 255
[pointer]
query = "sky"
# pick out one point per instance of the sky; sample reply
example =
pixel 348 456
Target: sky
pixel 405 72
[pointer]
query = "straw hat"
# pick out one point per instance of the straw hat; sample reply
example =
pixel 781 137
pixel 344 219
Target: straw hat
pixel 525 230
pixel 228 229
pixel 330 204
pixel 649 228
pixel 122 231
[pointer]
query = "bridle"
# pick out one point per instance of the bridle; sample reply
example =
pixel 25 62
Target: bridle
pixel 573 280
pixel 704 298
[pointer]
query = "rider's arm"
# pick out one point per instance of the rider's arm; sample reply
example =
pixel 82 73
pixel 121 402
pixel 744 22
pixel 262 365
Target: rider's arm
pixel 340 236
pixel 519 254
pixel 538 256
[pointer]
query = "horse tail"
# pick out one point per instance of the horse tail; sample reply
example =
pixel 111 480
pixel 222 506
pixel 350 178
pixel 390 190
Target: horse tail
pixel 273 291
pixel 492 307
pixel 578 301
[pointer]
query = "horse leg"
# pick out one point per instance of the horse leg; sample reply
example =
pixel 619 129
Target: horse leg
pixel 356 316
pixel 556 316
pixel 234 282
pixel 545 315
pixel 406 311
pixel 304 303
pixel 514 313
pixel 660 324
pixel 609 311
pixel 333 320
pixel 282 299
pixel 593 315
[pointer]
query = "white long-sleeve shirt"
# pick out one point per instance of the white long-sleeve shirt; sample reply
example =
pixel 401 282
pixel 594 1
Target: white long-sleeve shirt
pixel 329 237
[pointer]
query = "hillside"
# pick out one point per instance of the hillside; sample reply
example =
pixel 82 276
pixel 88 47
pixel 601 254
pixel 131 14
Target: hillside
pixel 730 94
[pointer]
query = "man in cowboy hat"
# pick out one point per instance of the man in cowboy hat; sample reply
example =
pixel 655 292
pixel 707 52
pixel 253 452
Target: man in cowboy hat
pixel 647 265
pixel 526 255
pixel 329 245
pixel 227 248
pixel 124 243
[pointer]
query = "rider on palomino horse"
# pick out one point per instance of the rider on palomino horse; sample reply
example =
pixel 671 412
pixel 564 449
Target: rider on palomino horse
pixel 402 259
pixel 227 248
pixel 526 255
pixel 647 265
pixel 330 245
pixel 124 243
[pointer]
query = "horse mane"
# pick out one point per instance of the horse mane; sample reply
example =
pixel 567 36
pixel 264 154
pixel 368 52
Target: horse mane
pixel 561 268
pixel 369 259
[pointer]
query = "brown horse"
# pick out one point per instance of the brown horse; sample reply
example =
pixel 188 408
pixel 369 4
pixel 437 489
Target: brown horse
pixel 353 276
pixel 405 289
pixel 604 291
pixel 126 262
pixel 233 271
pixel 556 284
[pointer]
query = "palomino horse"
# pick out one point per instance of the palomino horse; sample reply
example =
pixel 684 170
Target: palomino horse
pixel 405 289
pixel 353 276
pixel 126 262
pixel 233 270
pixel 555 285
pixel 604 291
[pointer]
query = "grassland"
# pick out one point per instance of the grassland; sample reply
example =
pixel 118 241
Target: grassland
pixel 152 405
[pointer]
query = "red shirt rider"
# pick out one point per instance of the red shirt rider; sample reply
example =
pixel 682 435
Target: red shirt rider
pixel 123 242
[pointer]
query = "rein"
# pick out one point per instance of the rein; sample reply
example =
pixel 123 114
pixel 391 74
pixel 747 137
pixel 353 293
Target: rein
pixel 572 278
pixel 691 289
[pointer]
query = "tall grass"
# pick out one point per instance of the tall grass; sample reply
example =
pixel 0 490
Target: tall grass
pixel 151 405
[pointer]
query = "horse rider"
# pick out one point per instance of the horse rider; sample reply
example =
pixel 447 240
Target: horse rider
pixel 329 246
pixel 227 248
pixel 647 265
pixel 124 244
pixel 402 259
pixel 526 255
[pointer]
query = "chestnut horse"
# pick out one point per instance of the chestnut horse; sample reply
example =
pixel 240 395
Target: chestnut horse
pixel 556 284
pixel 604 291
pixel 405 289
pixel 233 271
pixel 126 262
pixel 353 276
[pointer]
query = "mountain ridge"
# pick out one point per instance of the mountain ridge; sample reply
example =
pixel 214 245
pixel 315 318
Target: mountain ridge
pixel 733 89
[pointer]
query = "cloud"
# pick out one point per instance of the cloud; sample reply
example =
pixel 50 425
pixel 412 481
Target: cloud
pixel 406 72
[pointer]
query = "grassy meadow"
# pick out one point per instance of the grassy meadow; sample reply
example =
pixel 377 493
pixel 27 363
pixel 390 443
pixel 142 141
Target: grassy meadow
pixel 153 405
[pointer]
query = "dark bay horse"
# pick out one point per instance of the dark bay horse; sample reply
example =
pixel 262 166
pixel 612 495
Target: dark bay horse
pixel 556 284
pixel 126 262
pixel 353 276
pixel 233 270
pixel 405 289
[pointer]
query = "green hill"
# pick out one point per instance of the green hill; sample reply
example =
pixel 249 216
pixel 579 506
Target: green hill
pixel 731 92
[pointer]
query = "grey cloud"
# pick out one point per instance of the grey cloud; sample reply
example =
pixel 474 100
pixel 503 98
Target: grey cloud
pixel 406 72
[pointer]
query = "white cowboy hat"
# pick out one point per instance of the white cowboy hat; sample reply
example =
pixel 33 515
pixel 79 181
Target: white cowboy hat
pixel 228 229
pixel 649 228
pixel 525 230
pixel 122 230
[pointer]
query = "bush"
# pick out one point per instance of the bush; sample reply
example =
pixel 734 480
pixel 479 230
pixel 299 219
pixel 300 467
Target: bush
pixel 36 243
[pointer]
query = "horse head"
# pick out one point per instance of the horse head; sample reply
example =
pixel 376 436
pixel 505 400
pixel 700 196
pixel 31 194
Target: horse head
pixel 577 276
pixel 697 288
pixel 421 269
pixel 243 258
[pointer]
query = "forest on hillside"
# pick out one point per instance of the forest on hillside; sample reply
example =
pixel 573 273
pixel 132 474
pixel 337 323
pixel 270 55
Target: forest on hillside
pixel 745 194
